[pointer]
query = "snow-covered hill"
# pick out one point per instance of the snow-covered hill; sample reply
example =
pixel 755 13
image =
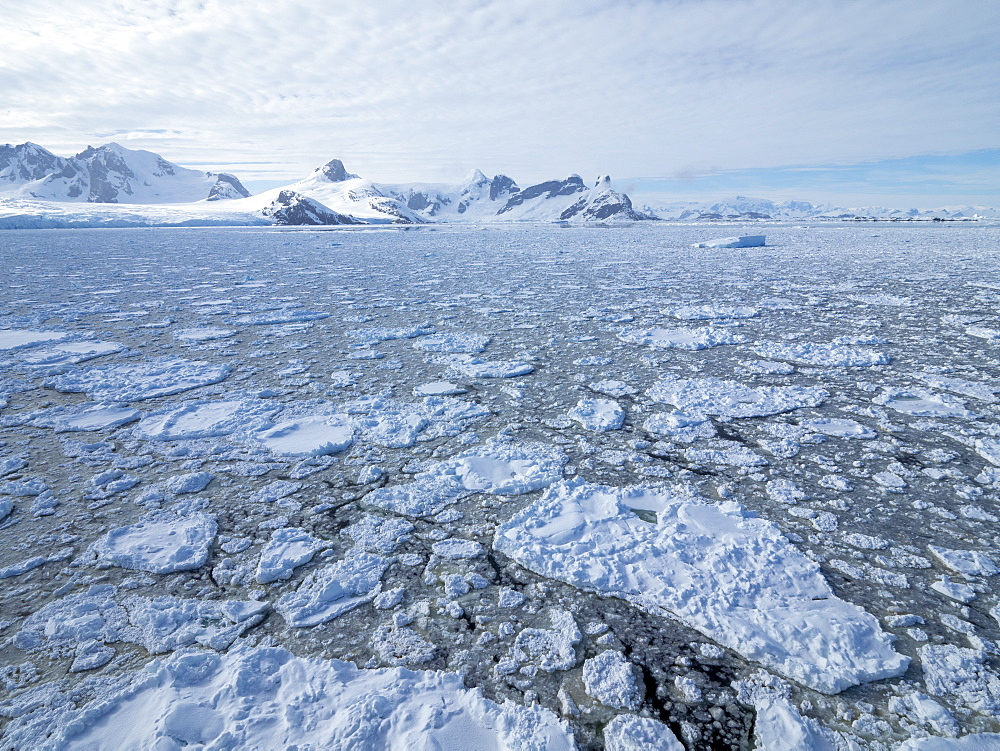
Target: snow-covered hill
pixel 108 174
pixel 741 208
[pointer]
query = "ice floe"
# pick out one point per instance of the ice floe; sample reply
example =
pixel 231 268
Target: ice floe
pixel 922 403
pixel 495 468
pixel 16 338
pixel 598 415
pixel 729 575
pixel 713 396
pixel 243 699
pixel 288 548
pixel 455 343
pixel 333 590
pixel 146 380
pixel 611 679
pixel 306 436
pixel 77 417
pixel 822 355
pixel 159 543
pixel 628 732
pixel 690 339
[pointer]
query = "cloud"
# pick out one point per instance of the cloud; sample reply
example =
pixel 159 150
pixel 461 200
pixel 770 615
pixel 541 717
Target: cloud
pixel 404 90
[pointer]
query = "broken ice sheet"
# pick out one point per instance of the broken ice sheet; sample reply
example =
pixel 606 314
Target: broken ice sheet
pixel 731 576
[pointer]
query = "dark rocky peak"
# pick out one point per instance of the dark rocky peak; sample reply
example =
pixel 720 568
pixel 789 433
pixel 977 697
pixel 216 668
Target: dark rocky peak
pixel 501 186
pixel 335 172
pixel 227 186
pixel 291 208
pixel 27 162
pixel 569 186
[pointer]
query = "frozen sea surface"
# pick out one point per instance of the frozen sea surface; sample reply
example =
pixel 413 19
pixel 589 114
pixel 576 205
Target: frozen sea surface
pixel 543 487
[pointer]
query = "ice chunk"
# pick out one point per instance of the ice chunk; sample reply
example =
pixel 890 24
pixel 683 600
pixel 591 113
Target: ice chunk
pixel 378 535
pixel 838 427
pixel 204 419
pixel 203 334
pixel 961 675
pixel 193 482
pixel 968 562
pixel 743 241
pixel 287 549
pixel 265 697
pixel 735 578
pixel 159 543
pixel 456 549
pixel 475 367
pixel 923 403
pixel 691 339
pixel 610 679
pixel 458 343
pixel 333 590
pixel 307 436
pixel 438 388
pixel 821 355
pixel 626 732
pixel 599 415
pixel 68 353
pixel 17 338
pixel 147 380
pixel 79 417
pixel 710 312
pixel 712 396
pixel 496 468
pixel 974 742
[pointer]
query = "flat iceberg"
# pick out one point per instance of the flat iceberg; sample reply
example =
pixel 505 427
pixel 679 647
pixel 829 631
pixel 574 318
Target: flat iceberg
pixel 743 241
pixel 733 577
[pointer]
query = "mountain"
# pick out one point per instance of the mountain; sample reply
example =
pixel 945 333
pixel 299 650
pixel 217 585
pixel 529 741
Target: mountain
pixel 742 209
pixel 291 208
pixel 477 198
pixel 108 174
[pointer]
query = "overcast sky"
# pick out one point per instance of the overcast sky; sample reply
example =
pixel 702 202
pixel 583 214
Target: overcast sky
pixel 816 99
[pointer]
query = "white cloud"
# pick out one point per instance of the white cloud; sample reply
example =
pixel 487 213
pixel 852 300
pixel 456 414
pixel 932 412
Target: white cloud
pixel 404 90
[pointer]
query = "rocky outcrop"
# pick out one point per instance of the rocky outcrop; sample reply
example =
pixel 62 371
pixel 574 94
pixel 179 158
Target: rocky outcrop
pixel 291 208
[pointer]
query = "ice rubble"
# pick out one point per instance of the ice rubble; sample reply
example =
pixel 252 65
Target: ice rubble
pixel 146 380
pixel 690 339
pixel 333 590
pixel 264 697
pixel 822 355
pixel 733 577
pixel 713 396
pixel 627 732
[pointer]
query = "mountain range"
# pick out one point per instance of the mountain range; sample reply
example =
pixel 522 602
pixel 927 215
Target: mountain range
pixel 111 185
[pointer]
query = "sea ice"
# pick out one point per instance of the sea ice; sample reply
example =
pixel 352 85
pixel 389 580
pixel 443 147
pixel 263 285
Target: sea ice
pixel 288 548
pixel 16 338
pixel 203 419
pixel 838 427
pixel 627 732
pixel 712 396
pixel 733 577
pixel 610 679
pixel 265 697
pixel 691 339
pixel 159 543
pixel 78 417
pixel 821 355
pixel 711 312
pixel 307 436
pixel 598 415
pixel 743 241
pixel 923 403
pixel 455 343
pixel 495 468
pixel 333 590
pixel 147 380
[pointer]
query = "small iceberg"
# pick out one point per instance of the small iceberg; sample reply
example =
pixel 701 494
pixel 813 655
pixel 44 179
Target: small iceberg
pixel 744 241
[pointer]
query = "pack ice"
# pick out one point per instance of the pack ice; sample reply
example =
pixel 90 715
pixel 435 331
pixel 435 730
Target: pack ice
pixel 733 577
pixel 265 697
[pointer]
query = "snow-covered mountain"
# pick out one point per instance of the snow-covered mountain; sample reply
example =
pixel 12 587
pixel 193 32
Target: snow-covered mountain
pixel 108 174
pixel 741 208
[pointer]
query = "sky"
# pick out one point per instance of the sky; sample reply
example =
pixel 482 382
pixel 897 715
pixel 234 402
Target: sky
pixel 889 102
